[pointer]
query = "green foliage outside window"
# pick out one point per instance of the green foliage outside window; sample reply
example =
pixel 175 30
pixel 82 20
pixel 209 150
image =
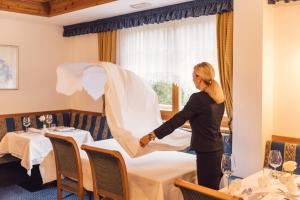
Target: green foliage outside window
pixel 164 92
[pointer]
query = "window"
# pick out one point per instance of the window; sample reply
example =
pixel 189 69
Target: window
pixel 164 55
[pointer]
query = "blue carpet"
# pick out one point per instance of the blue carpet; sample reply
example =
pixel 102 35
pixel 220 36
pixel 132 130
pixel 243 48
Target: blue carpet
pixel 18 193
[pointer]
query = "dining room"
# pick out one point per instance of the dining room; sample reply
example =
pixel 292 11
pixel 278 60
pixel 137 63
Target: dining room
pixel 149 99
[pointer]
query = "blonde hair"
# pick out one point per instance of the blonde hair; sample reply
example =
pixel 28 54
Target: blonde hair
pixel 206 72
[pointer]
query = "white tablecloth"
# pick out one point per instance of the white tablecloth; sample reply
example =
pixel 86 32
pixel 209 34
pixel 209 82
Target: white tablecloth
pixel 152 176
pixel 33 148
pixel 270 192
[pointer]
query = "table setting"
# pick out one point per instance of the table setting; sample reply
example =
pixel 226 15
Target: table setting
pixel 268 184
pixel 33 148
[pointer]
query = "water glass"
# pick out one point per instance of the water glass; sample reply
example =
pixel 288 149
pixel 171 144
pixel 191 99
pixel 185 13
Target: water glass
pixel 26 123
pixel 228 166
pixel 49 120
pixel 275 160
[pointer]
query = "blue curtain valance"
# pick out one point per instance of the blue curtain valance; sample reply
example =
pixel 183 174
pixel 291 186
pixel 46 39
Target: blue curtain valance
pixel 275 1
pixel 158 15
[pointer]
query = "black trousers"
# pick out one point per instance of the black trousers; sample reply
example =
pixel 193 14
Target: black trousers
pixel 209 171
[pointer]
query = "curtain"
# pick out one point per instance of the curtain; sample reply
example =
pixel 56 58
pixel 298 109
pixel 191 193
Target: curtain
pixel 225 56
pixel 107 46
pixel 275 1
pixel 168 51
pixel 107 50
pixel 153 16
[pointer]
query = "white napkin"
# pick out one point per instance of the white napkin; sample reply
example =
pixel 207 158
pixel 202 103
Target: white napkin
pixel 235 186
pixel 292 186
pixel 34 130
pixel 65 129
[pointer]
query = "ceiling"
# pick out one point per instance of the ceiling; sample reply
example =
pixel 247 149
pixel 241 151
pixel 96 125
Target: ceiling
pixel 85 13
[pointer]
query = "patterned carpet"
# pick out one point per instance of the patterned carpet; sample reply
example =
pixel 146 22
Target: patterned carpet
pixel 18 193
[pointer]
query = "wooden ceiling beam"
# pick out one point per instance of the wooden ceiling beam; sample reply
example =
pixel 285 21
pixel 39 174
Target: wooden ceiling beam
pixel 58 7
pixel 26 7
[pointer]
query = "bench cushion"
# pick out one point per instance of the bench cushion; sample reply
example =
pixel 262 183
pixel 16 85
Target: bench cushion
pixel 227 145
pixel 95 123
pixel 289 151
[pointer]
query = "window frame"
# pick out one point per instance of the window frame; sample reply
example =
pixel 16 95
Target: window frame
pixel 167 114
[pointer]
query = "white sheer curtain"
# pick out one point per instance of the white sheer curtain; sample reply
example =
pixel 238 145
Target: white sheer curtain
pixel 167 52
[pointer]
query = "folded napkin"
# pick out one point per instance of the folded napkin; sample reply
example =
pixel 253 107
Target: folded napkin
pixel 65 129
pixel 34 130
pixel 235 186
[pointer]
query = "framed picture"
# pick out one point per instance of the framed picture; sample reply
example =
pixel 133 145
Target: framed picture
pixel 9 67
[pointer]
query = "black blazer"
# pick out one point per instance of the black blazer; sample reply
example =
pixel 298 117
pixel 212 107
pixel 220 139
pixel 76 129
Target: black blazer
pixel 205 117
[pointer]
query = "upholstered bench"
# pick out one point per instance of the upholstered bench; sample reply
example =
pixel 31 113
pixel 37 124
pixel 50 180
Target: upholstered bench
pixel 288 147
pixel 227 145
pixel 91 121
pixel 10 167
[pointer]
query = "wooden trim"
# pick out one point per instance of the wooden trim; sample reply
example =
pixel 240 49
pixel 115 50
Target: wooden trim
pixel 204 190
pixel 26 7
pixel 123 171
pixel 49 112
pixel 48 8
pixel 175 98
pixel 285 139
pixel 33 113
pixel 86 112
pixel 58 7
pixel 79 179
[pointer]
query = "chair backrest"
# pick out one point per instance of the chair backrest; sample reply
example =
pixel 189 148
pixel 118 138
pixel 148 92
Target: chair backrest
pixel 109 173
pixel 192 191
pixel 67 157
pixel 289 148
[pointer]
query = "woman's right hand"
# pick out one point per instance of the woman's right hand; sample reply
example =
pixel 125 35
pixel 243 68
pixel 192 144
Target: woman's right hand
pixel 145 140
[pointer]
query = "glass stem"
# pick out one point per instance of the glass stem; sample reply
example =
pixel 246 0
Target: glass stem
pixel 227 176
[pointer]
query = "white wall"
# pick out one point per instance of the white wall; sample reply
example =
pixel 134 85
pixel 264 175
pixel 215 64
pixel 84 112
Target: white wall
pixel 41 49
pixel 84 48
pixel 247 86
pixel 287 71
pixel 268 69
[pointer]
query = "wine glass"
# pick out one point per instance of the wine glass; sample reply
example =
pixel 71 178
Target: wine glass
pixel 49 120
pixel 26 123
pixel 228 166
pixel 275 160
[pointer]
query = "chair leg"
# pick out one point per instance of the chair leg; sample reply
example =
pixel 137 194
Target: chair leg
pixel 81 195
pixel 59 194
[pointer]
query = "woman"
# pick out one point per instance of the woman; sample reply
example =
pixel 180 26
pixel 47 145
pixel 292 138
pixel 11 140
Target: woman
pixel 204 110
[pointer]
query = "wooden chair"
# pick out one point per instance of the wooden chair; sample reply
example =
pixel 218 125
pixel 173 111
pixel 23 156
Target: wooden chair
pixel 109 173
pixel 68 165
pixel 192 191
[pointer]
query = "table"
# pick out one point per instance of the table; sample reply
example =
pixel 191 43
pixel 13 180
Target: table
pixel 270 192
pixel 152 176
pixel 33 147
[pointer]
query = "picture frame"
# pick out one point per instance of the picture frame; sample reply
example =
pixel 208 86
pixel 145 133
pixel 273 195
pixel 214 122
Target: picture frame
pixel 9 67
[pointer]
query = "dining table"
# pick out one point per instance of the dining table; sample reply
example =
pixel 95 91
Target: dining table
pixel 33 148
pixel 264 185
pixel 151 176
